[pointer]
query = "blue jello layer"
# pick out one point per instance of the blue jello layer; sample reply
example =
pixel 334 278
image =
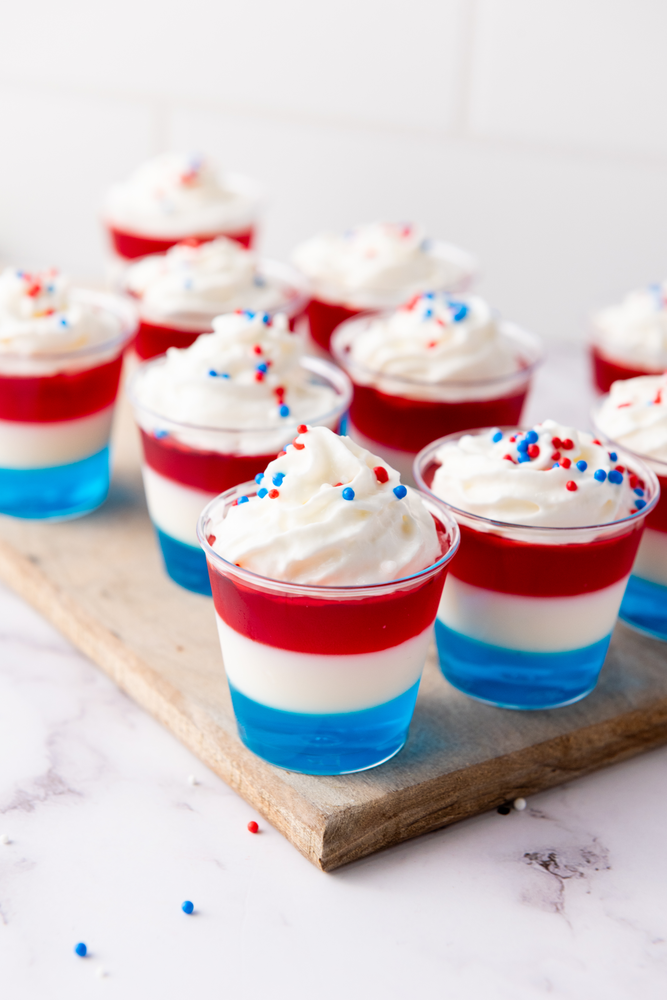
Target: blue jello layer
pixel 57 492
pixel 325 744
pixel 515 679
pixel 185 564
pixel 645 606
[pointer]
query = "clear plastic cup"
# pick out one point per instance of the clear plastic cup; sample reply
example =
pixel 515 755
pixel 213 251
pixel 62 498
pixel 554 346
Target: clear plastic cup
pixel 399 416
pixel 185 466
pixel 527 612
pixel 323 679
pixel 606 368
pixel 56 411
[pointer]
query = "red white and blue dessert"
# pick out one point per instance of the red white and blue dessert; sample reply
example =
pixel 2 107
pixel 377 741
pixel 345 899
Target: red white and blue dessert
pixel 60 361
pixel 212 415
pixel 634 416
pixel 550 526
pixel 181 291
pixel 438 364
pixel 630 339
pixel 373 267
pixel 176 196
pixel 326 578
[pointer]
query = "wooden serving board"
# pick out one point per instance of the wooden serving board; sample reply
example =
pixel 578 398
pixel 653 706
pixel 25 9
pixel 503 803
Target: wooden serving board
pixel 100 581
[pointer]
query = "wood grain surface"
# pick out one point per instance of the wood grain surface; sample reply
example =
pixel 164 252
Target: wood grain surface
pixel 100 581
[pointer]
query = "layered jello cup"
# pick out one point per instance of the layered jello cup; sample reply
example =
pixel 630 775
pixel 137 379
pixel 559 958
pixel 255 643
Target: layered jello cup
pixel 177 196
pixel 550 527
pixel 325 589
pixel 60 362
pixel 182 291
pixel 634 416
pixel 375 267
pixel 436 365
pixel 214 414
pixel 630 339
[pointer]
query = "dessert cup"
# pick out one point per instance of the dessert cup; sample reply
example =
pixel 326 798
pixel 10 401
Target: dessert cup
pixel 606 370
pixel 185 466
pixel 399 416
pixel 56 411
pixel 323 679
pixel 527 612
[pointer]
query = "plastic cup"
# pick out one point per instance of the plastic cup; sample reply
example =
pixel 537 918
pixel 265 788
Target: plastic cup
pixel 323 679
pixel 527 612
pixel 185 466
pixel 56 411
pixel 400 416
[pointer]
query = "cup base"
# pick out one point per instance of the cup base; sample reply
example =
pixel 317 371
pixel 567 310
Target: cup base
pixel 185 564
pixel 516 679
pixel 644 607
pixel 318 743
pixel 60 492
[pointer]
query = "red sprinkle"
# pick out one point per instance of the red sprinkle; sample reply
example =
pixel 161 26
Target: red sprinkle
pixel 257 349
pixel 509 458
pixel 381 474
pixel 621 405
pixel 513 439
pixel 272 494
pixel 279 391
pixel 281 453
pixel 595 441
pixel 299 447
pixel 413 302
pixel 620 468
pixel 556 456
pixel 569 485
pixel 337 484
pixel 658 397
pixel 253 827
pixel 432 343
pixel 634 482
pixel 556 442
pixel 211 539
pixel 259 376
pixel 302 428
pixel 533 450
pixel 566 462
pixel 567 444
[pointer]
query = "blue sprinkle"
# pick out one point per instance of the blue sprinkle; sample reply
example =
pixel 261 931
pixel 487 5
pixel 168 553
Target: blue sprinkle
pixel 63 321
pixel 262 367
pixel 639 504
pixel 266 319
pixel 284 411
pixel 223 375
pixel 160 434
pixel 242 500
pixel 426 245
pixel 600 475
pixel 249 313
pixel 615 477
pixel 639 492
pixel 428 313
pixel 555 466
pixel 50 288
pixel 531 437
pixel 428 295
pixel 259 281
pixel 581 465
pixel 278 479
pixel 187 906
pixel 522 446
pixel 212 373
pixel 348 493
pixel 259 477
pixel 498 436
pixel 460 311
pixel 400 491
pixel 613 456
pixel 262 493
pixel 81 950
pixel 523 457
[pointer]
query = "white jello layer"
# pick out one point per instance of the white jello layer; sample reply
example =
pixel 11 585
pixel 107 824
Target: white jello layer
pixel 651 561
pixel 43 445
pixel 531 624
pixel 174 508
pixel 313 682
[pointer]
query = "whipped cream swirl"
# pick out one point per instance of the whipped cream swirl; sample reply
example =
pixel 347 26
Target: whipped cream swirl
pixel 552 475
pixel 193 282
pixel 328 512
pixel 176 195
pixel 635 415
pixel 635 330
pixel 380 265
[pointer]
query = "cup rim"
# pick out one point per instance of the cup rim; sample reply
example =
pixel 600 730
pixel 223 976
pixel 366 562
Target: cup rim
pixel 319 366
pixel 425 455
pixel 326 591
pixel 662 463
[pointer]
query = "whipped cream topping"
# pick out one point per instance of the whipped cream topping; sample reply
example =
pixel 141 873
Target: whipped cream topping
pixel 41 314
pixel 246 374
pixel 193 282
pixel 179 195
pixel 380 265
pixel 552 475
pixel 330 513
pixel 635 415
pixel 635 330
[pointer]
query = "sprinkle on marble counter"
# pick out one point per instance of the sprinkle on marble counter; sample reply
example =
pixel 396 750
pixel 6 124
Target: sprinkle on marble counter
pixel 519 804
pixel 187 907
pixel 192 780
pixel 253 827
pixel 81 950
pixel 5 839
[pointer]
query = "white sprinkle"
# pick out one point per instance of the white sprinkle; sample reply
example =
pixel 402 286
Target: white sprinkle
pixel 4 839
pixel 101 973
pixel 192 780
pixel 519 804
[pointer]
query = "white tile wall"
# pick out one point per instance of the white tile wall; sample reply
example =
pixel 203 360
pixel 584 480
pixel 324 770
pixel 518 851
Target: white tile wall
pixel 530 131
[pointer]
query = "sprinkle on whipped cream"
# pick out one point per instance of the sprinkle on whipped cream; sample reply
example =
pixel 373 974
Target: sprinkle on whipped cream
pixel 550 475
pixel 635 330
pixel 328 512
pixel 634 414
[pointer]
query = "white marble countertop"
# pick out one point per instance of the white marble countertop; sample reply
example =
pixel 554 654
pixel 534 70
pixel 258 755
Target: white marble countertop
pixel 107 837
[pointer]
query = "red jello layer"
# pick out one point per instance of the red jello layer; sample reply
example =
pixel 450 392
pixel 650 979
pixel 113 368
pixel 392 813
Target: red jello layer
pixel 131 245
pixel 153 339
pixel 411 424
pixel 511 567
pixel 203 470
pixel 309 625
pixel 605 372
pixel 63 396
pixel 657 519
pixel 324 317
